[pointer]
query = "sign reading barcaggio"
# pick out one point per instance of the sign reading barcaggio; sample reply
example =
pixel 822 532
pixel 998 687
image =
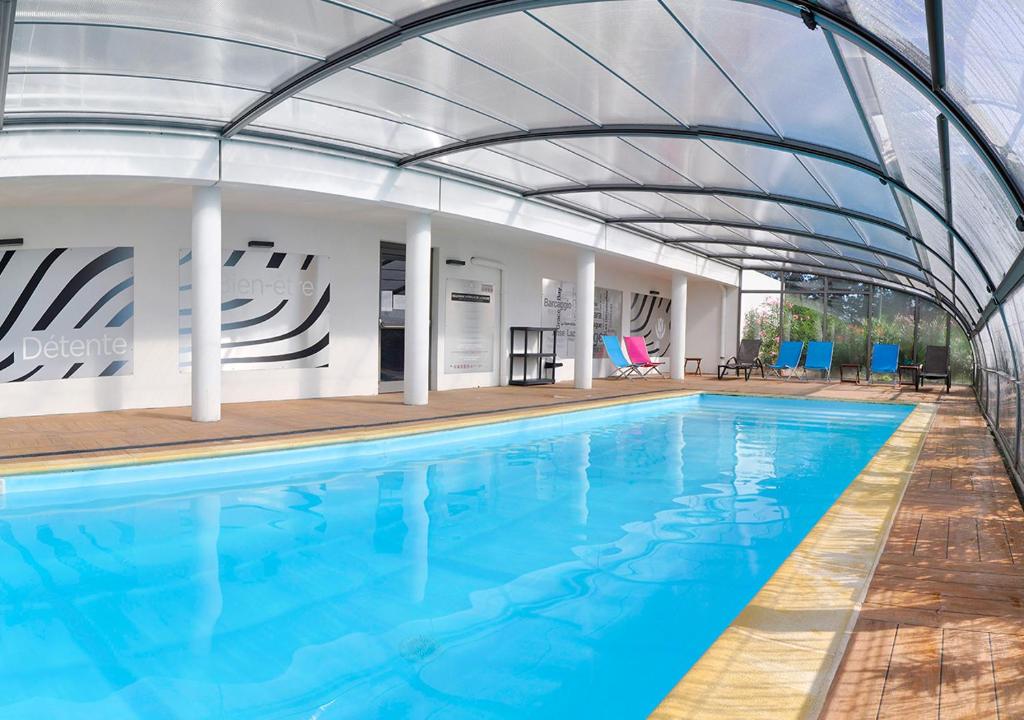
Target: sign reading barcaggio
pixel 470 326
pixel 559 311
pixel 649 318
pixel 66 313
pixel 274 310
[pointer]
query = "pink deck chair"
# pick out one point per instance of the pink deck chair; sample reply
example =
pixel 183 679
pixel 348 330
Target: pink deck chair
pixel 636 348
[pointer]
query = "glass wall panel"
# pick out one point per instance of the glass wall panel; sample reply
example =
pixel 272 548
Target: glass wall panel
pixel 931 329
pixel 961 356
pixel 803 316
pixel 759 320
pixel 1008 413
pixel 892 319
pixel 847 325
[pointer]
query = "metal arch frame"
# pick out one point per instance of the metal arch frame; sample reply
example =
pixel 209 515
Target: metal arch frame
pixel 785 267
pixel 8 9
pixel 418 24
pixel 779 230
pixel 723 192
pixel 744 137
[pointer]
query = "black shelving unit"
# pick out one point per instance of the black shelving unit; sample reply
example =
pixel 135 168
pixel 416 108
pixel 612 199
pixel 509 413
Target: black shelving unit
pixel 531 359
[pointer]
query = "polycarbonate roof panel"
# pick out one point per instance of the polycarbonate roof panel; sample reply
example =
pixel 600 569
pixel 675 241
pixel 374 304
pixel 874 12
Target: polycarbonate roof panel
pixel 854 189
pixel 431 68
pixel 787 73
pixel 980 204
pixel 305 27
pixel 581 83
pixel 885 239
pixel 903 121
pixel 325 121
pixel 774 171
pixel 372 95
pixel 505 169
pixel 623 204
pixel 933 232
pixel 119 96
pixel 901 23
pixel 695 206
pixel 558 159
pixel 629 161
pixel 764 212
pixel 984 43
pixel 694 160
pixel 645 45
pixel 144 53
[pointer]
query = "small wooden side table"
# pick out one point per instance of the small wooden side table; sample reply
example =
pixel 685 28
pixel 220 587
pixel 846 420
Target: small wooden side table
pixel 911 370
pixel 690 360
pixel 852 368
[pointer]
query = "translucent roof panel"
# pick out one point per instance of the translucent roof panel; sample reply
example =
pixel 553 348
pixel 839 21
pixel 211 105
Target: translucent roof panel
pixel 625 204
pixel 434 69
pixel 694 160
pixel 980 204
pixel 645 45
pixel 902 120
pixel 120 96
pixel 984 43
pixel 767 213
pixel 315 119
pixel 772 170
pixel 372 95
pixel 788 75
pixel 627 159
pixel 900 22
pixel 307 27
pixel 99 50
pixel 854 189
pixel 509 170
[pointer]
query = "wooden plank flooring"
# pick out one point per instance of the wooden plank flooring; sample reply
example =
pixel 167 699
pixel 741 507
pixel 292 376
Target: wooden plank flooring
pixel 941 634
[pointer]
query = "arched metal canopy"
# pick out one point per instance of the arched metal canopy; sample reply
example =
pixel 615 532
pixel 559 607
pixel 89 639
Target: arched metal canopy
pixel 835 110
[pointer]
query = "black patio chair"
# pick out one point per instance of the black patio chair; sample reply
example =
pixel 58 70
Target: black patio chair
pixel 745 359
pixel 936 366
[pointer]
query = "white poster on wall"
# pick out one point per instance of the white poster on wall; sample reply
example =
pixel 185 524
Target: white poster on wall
pixel 559 311
pixel 470 326
pixel 607 316
pixel 274 310
pixel 66 313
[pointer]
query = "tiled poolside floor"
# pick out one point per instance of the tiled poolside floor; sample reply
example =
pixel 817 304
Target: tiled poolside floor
pixel 942 630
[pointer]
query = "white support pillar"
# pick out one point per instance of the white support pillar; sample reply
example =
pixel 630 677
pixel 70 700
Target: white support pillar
pixel 583 372
pixel 677 327
pixel 417 309
pixel 723 338
pixel 206 301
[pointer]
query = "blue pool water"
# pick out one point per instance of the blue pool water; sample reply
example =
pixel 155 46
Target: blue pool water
pixel 566 567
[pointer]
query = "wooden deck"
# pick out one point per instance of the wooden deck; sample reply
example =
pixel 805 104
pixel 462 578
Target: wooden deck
pixel 941 634
pixel 942 629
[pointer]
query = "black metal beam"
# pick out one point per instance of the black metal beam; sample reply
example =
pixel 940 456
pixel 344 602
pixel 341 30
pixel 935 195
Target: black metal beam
pixel 418 24
pixel 936 44
pixel 722 192
pixel 8 9
pixel 696 132
pixel 798 251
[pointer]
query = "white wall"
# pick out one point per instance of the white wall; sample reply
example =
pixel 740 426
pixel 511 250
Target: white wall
pixel 157 234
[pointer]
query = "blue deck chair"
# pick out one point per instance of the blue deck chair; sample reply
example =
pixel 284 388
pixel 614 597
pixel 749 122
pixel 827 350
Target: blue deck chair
pixel 819 357
pixel 885 358
pixel 623 367
pixel 788 359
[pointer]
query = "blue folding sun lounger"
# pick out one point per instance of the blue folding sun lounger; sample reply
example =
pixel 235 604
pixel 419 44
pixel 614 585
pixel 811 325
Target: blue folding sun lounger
pixel 885 358
pixel 623 367
pixel 819 357
pixel 788 359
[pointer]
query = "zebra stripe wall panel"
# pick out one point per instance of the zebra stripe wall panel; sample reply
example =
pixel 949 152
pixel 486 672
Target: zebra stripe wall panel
pixel 274 310
pixel 66 313
pixel 649 318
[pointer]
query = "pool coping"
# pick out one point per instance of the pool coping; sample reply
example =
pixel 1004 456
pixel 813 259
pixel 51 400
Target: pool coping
pixel 778 658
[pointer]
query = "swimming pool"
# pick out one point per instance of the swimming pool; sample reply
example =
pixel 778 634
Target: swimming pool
pixel 574 565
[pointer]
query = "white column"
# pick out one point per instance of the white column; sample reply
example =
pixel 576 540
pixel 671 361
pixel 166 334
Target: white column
pixel 584 365
pixel 417 309
pixel 206 300
pixel 723 338
pixel 677 330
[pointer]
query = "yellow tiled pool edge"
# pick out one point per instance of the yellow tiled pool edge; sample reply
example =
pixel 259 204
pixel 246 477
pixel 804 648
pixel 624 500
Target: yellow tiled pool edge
pixel 777 659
